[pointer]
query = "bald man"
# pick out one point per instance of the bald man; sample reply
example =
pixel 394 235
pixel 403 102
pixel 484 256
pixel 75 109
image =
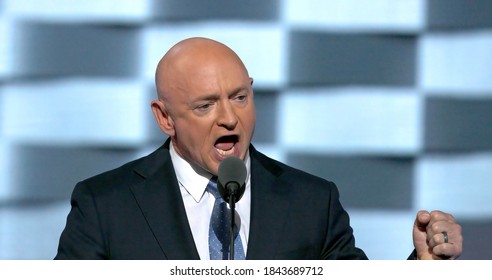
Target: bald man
pixel 159 207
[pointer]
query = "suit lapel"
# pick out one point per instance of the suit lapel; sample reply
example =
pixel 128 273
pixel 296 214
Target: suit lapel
pixel 269 207
pixel 160 200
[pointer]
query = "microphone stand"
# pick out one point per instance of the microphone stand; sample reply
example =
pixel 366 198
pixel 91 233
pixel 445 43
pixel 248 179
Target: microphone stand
pixel 232 189
pixel 232 172
pixel 232 205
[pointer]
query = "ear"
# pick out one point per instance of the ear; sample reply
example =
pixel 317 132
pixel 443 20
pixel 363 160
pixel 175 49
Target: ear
pixel 164 120
pixel 251 85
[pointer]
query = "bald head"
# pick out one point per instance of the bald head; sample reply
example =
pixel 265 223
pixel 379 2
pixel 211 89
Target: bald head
pixel 188 59
pixel 205 102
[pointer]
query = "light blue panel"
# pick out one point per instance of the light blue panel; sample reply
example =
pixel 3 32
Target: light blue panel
pixel 75 112
pixel 455 183
pixel 456 63
pixel 347 15
pixel 32 232
pixel 367 120
pixel 77 11
pixel 265 61
pixel 273 151
pixel 383 235
pixel 6 39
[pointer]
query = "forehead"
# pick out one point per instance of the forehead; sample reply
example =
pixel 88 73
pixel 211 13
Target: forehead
pixel 209 75
pixel 197 66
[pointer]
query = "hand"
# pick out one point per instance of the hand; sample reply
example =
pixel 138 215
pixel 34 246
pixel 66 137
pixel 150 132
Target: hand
pixel 429 240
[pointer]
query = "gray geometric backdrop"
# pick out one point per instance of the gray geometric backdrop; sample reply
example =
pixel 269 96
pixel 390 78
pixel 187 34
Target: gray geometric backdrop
pixel 391 99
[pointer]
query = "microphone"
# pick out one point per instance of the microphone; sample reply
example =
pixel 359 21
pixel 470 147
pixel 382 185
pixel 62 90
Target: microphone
pixel 231 179
pixel 231 186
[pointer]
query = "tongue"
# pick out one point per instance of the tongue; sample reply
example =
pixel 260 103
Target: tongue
pixel 225 146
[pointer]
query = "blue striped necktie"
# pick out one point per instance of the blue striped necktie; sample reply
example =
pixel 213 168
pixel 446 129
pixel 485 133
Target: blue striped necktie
pixel 219 230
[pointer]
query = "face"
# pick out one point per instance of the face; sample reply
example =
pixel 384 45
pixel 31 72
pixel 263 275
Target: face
pixel 210 114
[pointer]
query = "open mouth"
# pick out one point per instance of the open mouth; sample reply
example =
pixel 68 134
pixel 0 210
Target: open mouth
pixel 226 145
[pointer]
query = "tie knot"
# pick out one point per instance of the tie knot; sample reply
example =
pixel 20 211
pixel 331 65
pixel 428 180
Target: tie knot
pixel 212 187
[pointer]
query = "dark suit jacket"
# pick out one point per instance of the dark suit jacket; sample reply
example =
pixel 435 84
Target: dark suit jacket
pixel 136 212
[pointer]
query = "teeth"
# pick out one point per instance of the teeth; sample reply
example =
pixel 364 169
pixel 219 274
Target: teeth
pixel 226 153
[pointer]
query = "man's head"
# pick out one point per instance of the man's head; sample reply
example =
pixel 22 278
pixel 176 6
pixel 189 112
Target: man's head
pixel 205 102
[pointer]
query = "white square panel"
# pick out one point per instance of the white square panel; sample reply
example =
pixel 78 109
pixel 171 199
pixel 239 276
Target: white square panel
pixel 32 232
pixel 5 165
pixel 458 184
pixel 76 112
pixel 456 63
pixel 366 120
pixel 383 235
pixel 379 15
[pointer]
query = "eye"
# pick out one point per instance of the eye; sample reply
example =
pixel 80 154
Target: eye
pixel 240 97
pixel 203 107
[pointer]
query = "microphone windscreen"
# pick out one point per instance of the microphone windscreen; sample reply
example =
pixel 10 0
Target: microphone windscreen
pixel 231 170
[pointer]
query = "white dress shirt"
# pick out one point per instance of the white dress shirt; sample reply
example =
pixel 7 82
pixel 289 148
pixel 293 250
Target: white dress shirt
pixel 199 203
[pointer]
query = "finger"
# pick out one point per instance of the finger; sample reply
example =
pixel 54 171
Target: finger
pixel 447 251
pixel 435 228
pixel 437 215
pixel 422 220
pixel 439 222
pixel 438 239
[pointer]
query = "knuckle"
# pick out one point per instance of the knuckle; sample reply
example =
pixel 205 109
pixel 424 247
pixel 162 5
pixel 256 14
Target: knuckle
pixel 435 213
pixel 435 227
pixel 436 238
pixel 458 228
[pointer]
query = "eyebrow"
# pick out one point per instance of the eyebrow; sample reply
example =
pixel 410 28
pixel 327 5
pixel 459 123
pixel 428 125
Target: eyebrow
pixel 208 97
pixel 215 96
pixel 238 90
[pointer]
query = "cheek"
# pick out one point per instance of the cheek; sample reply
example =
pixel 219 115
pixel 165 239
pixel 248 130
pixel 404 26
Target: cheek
pixel 198 133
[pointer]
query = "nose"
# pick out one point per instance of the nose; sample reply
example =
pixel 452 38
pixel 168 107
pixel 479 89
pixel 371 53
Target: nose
pixel 227 116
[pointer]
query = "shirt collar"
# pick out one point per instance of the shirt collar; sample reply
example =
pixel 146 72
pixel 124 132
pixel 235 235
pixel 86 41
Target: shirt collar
pixel 195 179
